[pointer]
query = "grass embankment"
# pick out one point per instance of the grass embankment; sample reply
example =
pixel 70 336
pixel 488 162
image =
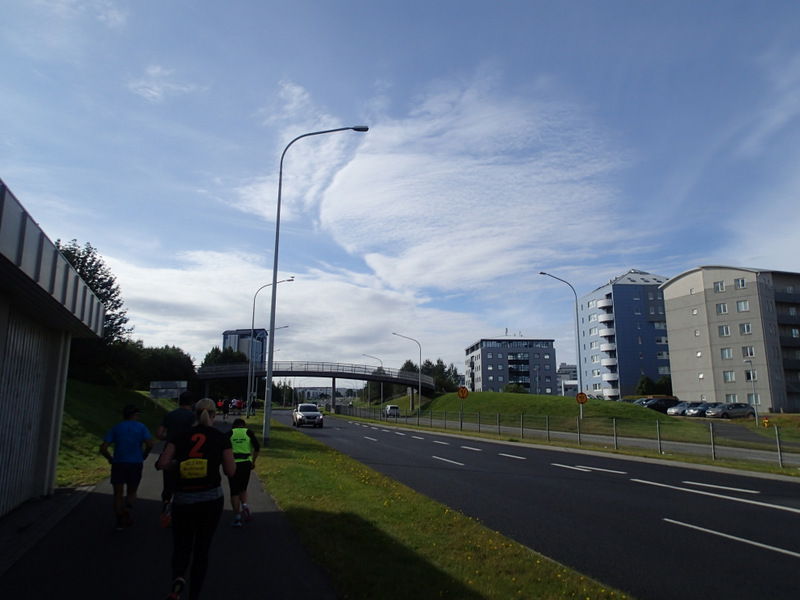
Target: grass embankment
pixel 376 537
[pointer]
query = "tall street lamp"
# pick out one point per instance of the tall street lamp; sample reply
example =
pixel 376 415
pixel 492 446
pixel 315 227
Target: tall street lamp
pixel 753 387
pixel 251 371
pixel 577 331
pixel 419 371
pixel 271 340
pixel 380 361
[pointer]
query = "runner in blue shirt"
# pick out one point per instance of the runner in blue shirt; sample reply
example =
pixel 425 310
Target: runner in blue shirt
pixel 132 443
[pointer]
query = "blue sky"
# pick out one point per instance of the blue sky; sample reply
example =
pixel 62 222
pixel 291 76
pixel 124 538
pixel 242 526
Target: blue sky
pixel 506 138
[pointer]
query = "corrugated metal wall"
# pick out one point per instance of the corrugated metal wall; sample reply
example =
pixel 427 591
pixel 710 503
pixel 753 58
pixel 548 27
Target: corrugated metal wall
pixel 28 415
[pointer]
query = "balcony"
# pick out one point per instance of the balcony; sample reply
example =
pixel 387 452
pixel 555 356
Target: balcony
pixel 605 303
pixel 605 318
pixel 607 332
pixel 610 377
pixel 611 393
pixel 608 362
pixel 610 347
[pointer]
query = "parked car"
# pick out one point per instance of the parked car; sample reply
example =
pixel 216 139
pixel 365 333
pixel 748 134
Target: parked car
pixel 731 411
pixel 306 414
pixel 641 401
pixel 700 411
pixel 661 404
pixel 391 410
pixel 681 408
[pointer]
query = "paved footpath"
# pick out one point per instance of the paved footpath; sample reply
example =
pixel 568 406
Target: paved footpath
pixel 64 548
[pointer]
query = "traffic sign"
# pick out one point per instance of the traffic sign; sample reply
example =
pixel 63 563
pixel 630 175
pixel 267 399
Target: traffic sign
pixel 463 392
pixel 581 398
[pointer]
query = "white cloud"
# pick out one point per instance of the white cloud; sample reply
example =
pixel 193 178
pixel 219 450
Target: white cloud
pixel 157 84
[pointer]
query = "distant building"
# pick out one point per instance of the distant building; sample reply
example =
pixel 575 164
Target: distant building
pixel 493 362
pixel 734 336
pixel 623 335
pixel 239 341
pixel 567 379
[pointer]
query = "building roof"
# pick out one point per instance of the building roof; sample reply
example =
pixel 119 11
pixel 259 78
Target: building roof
pixel 633 277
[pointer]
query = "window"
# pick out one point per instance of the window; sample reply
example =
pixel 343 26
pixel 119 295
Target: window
pixel 595 372
pixel 593 331
pixel 726 353
pixel 488 355
pixel 750 375
pixel 751 399
pixel 748 351
pixel 489 367
pixel 593 317
pixel 722 308
pixel 729 398
pixel 729 376
pixel 795 332
pixel 719 286
pixel 663 370
pixel 724 330
pixel 696 333
pixel 743 305
pixel 595 358
pixel 745 329
pixel 699 354
pixel 652 310
pixel 499 355
pixel 793 311
pixel 740 283
pixel 499 367
pixel 594 345
pixel 790 289
pixel 694 311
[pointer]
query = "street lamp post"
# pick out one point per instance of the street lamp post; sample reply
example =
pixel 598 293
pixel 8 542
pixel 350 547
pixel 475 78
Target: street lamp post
pixel 251 371
pixel 753 387
pixel 380 361
pixel 419 371
pixel 577 332
pixel 270 341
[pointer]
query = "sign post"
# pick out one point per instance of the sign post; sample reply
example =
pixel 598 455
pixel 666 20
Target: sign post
pixel 581 398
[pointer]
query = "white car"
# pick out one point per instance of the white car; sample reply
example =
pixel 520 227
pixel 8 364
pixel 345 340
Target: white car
pixel 391 410
pixel 306 414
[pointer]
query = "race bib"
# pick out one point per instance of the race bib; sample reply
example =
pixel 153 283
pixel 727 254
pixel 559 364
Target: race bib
pixel 194 468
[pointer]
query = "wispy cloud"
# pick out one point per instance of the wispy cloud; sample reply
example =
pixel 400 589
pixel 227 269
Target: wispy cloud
pixel 158 83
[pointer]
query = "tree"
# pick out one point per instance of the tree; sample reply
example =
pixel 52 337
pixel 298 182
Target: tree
pixel 227 356
pixel 664 385
pixel 514 388
pixel 645 387
pixel 96 274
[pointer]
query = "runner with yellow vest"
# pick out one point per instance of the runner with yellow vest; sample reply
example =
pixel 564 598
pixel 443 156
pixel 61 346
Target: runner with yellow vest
pixel 245 451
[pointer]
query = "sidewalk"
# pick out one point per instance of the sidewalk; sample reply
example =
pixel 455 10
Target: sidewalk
pixel 64 547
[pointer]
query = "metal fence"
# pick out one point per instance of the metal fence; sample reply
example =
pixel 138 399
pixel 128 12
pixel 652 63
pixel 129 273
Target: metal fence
pixel 716 441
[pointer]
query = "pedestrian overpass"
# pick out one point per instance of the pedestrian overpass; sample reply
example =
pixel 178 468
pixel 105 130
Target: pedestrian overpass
pixel 333 371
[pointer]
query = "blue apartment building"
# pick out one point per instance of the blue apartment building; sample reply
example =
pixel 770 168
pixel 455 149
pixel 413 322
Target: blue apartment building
pixel 492 363
pixel 623 335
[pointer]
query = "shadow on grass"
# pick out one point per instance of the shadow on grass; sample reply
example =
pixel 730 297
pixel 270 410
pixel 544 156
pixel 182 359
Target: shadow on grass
pixel 366 563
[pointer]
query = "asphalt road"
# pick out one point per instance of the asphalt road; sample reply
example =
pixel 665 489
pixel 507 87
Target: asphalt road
pixel 655 530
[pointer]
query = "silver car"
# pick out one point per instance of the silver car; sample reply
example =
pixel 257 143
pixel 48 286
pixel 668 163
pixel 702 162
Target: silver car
pixel 731 411
pixel 306 414
pixel 700 410
pixel 680 409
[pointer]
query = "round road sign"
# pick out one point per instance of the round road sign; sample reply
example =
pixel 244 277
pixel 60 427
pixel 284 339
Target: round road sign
pixel 581 398
pixel 463 392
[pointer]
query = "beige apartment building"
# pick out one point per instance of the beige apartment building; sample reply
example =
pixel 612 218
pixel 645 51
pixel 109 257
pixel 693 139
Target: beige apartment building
pixel 734 336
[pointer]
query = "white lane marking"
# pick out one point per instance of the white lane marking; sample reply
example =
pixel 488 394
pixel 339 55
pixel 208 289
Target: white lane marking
pixel 735 538
pixel 386 430
pixel 399 433
pixel 471 448
pixel 602 470
pixel 512 456
pixel 449 461
pixel 366 437
pixel 702 493
pixel 417 437
pixel 721 487
pixel 442 443
pixel 569 467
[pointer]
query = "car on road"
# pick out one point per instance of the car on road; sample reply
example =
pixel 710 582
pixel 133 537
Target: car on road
pixel 661 405
pixel 681 408
pixel 700 411
pixel 391 410
pixel 306 414
pixel 731 410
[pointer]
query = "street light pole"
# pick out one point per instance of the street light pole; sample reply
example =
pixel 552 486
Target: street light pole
pixel 380 361
pixel 270 341
pixel 251 371
pixel 419 371
pixel 753 387
pixel 577 332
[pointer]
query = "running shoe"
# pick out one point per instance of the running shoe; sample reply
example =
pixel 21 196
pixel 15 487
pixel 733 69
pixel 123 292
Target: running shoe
pixel 127 517
pixel 237 522
pixel 177 588
pixel 165 519
pixel 120 524
pixel 246 513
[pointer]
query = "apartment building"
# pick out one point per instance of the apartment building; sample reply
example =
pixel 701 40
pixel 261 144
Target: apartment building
pixel 623 335
pixel 239 340
pixel 734 336
pixel 492 363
